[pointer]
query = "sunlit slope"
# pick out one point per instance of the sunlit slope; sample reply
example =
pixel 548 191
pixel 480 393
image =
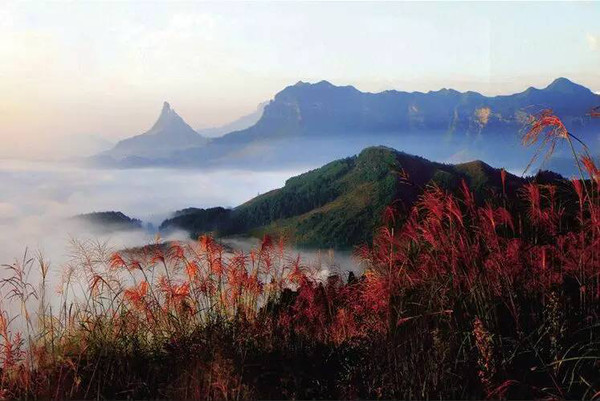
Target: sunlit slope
pixel 341 203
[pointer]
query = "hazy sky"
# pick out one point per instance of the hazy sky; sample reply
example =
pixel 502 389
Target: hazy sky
pixel 103 68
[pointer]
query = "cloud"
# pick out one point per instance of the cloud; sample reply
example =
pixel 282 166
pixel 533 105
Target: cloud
pixel 37 196
pixel 593 42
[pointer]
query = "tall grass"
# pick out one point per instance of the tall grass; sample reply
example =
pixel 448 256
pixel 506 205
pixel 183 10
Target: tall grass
pixel 457 300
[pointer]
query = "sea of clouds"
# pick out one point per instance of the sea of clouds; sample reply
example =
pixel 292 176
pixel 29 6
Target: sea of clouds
pixel 37 198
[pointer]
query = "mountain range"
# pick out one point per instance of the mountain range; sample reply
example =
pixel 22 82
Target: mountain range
pixel 309 124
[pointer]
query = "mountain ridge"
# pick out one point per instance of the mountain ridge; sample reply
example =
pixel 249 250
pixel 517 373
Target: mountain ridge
pixel 354 119
pixel 340 204
pixel 310 123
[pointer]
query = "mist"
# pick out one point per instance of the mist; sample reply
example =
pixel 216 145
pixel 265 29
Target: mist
pixel 323 261
pixel 38 197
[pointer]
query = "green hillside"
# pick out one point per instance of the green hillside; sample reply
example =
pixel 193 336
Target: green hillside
pixel 340 204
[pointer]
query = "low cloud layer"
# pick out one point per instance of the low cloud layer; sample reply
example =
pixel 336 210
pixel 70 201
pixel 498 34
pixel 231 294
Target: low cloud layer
pixel 37 197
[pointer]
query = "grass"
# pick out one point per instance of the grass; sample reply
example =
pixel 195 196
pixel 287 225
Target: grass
pixel 458 300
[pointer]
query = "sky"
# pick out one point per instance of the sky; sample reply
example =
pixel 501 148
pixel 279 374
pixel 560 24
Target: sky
pixel 76 70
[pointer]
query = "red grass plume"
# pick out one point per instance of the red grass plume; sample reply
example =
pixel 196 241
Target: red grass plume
pixel 545 129
pixel 137 294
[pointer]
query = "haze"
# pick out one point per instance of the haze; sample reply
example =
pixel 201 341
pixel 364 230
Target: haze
pixel 74 71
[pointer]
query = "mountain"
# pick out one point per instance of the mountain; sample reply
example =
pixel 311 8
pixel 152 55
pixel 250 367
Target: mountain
pixel 237 125
pixel 108 221
pixel 169 133
pixel 306 125
pixel 340 204
pixel 322 121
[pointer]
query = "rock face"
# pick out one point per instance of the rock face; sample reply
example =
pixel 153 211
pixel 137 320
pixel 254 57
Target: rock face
pixel 169 133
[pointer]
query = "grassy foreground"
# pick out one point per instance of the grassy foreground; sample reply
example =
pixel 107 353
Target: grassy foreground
pixel 458 300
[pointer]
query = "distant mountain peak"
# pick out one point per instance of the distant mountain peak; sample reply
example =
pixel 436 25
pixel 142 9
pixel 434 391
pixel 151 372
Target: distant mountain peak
pixel 564 85
pixel 324 83
pixel 166 113
pixel 167 120
pixel 561 81
pixel 169 133
pixel 446 91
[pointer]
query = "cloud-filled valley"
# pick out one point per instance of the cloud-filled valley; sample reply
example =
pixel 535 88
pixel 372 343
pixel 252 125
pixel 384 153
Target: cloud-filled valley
pixel 37 197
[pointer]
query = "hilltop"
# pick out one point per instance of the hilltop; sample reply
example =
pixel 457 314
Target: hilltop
pixel 109 221
pixel 341 204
